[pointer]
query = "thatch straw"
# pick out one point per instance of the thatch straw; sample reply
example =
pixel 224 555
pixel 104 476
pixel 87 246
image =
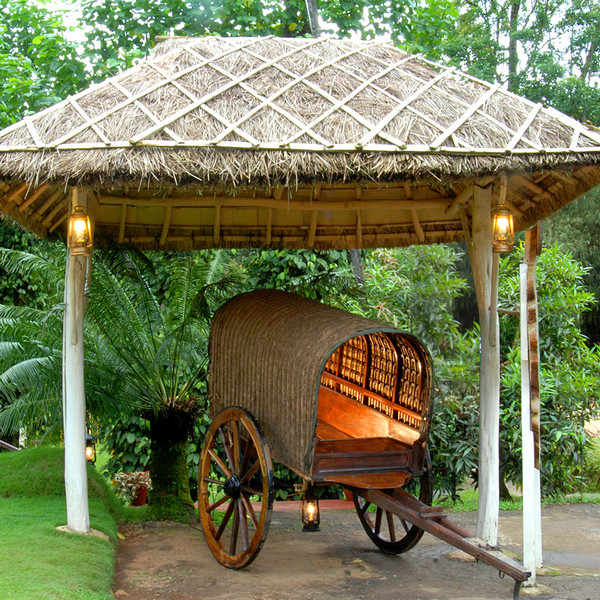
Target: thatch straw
pixel 231 111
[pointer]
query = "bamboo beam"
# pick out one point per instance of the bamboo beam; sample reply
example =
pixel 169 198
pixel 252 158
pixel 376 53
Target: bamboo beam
pixel 166 225
pixel 54 225
pixel 312 231
pixel 531 186
pixel 359 234
pixel 16 193
pixel 49 202
pixel 417 226
pixel 217 225
pixel 62 206
pixel 269 227
pixel 29 201
pixel 300 205
pixel 122 223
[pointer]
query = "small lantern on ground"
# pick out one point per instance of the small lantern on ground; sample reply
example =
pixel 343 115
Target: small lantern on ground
pixel 79 238
pixel 90 448
pixel 310 511
pixel 503 229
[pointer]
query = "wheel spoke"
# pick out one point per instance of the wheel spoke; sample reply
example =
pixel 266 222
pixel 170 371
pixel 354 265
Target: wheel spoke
pixel 252 471
pixel 215 481
pixel 243 525
pixel 365 507
pixel 225 520
pixel 378 520
pixel 406 524
pixel 250 510
pixel 236 447
pixel 251 492
pixel 224 469
pixel 235 529
pixel 227 448
pixel 391 526
pixel 248 450
pixel 218 503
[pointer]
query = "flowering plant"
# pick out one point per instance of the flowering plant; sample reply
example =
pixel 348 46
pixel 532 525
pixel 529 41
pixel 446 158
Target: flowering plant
pixel 127 485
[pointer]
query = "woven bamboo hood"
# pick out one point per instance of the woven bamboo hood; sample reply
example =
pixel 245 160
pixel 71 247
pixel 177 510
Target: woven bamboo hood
pixel 268 349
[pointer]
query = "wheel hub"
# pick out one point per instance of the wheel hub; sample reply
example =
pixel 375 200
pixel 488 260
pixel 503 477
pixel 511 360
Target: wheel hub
pixel 233 487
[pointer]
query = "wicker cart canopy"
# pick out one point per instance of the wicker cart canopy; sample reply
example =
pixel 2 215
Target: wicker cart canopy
pixel 268 350
pixel 324 143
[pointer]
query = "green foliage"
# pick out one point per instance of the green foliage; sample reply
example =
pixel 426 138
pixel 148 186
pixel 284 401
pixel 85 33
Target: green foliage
pixel 414 288
pixel 127 440
pixel 38 66
pixel 320 275
pixel 569 378
pixel 13 288
pixel 577 229
pixel 590 473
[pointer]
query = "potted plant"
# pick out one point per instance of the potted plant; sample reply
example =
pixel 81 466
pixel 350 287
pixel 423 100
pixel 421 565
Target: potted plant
pixel 133 487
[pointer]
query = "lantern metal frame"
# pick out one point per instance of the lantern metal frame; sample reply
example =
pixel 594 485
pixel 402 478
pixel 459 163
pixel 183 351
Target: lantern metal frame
pixel 79 236
pixel 503 229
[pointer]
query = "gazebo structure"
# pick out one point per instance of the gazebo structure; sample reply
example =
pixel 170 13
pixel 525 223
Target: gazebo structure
pixel 291 143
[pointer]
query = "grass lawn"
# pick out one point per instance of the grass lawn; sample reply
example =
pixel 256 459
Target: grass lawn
pixel 37 560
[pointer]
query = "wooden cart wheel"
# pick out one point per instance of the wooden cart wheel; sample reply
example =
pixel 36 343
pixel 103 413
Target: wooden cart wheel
pixel 387 530
pixel 235 488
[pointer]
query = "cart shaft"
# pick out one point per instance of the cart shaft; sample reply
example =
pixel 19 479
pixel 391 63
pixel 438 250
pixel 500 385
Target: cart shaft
pixel 432 520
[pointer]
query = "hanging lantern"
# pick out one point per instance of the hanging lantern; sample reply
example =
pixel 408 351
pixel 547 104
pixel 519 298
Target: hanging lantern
pixel 310 511
pixel 503 229
pixel 79 238
pixel 90 448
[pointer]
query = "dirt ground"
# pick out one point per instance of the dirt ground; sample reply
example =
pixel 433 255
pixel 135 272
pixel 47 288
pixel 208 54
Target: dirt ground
pixel 169 561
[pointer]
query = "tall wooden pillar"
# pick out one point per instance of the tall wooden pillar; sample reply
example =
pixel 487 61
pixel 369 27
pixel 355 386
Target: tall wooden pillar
pixel 74 413
pixel 484 263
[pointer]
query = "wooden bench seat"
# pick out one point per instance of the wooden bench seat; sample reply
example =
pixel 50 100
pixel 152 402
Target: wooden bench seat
pixel 354 456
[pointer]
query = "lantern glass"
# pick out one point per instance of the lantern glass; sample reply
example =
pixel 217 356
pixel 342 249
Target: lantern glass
pixel 310 511
pixel 90 448
pixel 503 230
pixel 79 238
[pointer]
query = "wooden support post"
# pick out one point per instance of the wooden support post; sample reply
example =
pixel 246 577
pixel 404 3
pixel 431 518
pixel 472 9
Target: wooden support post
pixel 489 419
pixel 532 502
pixel 312 231
pixel 269 233
pixel 74 413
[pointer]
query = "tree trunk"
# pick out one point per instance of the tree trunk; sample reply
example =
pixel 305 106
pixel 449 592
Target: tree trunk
pixel 513 54
pixel 313 17
pixel 170 497
pixel 357 266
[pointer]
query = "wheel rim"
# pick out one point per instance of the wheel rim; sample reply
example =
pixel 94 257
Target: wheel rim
pixel 388 531
pixel 235 486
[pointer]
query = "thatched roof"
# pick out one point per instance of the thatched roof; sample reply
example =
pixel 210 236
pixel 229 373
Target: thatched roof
pixel 349 134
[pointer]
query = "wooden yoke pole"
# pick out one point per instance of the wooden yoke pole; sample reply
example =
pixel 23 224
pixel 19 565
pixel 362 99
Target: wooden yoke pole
pixel 489 420
pixel 74 413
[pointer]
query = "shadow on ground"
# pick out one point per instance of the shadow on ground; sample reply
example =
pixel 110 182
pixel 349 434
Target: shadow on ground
pixel 168 561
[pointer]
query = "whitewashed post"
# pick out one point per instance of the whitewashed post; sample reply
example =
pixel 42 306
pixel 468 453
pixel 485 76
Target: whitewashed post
pixel 489 420
pixel 74 413
pixel 532 515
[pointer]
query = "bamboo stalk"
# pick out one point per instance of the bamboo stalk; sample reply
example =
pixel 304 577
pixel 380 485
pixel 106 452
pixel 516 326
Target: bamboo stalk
pixel 29 201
